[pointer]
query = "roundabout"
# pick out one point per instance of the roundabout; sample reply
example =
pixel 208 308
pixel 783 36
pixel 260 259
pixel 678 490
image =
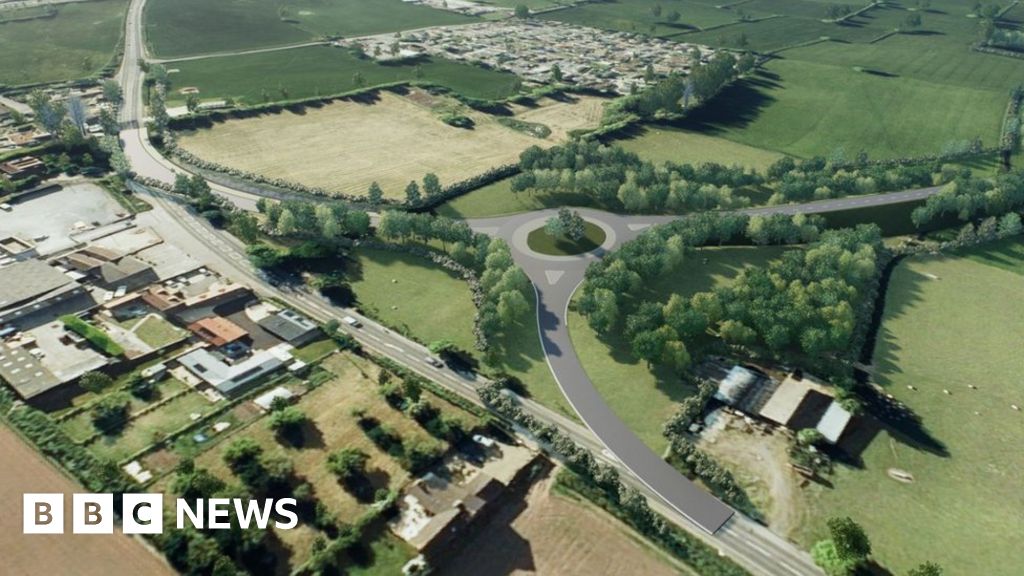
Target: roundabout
pixel 542 242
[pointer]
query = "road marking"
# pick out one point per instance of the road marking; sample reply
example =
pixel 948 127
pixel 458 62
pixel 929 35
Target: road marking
pixel 554 276
pixel 790 568
pixel 390 345
pixel 634 227
pixel 759 549
pixel 377 338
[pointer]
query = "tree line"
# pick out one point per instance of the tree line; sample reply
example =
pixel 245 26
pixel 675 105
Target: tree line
pixel 619 180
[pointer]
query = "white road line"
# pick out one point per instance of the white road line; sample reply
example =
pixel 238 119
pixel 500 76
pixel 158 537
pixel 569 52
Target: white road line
pixel 759 549
pixel 399 348
pixel 790 568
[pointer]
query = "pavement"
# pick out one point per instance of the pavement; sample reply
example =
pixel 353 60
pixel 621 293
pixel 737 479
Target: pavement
pixel 555 279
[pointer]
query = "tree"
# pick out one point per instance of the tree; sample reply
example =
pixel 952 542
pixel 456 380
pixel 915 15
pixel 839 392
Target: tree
pixel 572 224
pixel 76 112
pixel 511 305
pixel 412 193
pixel 825 556
pixel 49 115
pixel 656 10
pixel 522 11
pixel 556 73
pixel 112 92
pixel 358 79
pixel 673 16
pixel 110 415
pixel 553 227
pixel 851 542
pixel 431 185
pixel 375 195
pixel 192 102
pixel 1010 225
pixel 142 388
pixel 926 569
pixel 347 464
pixel 288 423
pixel 286 224
pixel 95 382
pixel 809 437
pixel 912 21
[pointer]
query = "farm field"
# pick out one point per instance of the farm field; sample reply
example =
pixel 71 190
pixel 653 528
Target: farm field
pixel 190 27
pixel 807 109
pixel 432 304
pixel 859 91
pixel 643 398
pixel 661 144
pixel 639 16
pixel 497 199
pixel 88 555
pixel 949 322
pixel 316 71
pixel 78 42
pixel 555 534
pixel 391 140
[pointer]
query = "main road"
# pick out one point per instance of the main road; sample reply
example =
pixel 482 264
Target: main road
pixel 555 280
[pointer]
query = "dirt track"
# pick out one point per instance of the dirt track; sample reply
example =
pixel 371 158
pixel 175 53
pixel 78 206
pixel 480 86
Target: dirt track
pixel 24 470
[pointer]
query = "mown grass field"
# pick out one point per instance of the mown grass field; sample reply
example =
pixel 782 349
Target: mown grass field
pixel 960 329
pixel 322 71
pixel 76 43
pixel 497 199
pixel 190 27
pixel 432 304
pixel 642 397
pixel 345 146
pixel 661 144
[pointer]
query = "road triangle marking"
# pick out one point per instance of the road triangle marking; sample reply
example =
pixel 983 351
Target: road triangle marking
pixel 554 276
pixel 635 227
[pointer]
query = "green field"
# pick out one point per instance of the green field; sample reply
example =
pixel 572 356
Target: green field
pixel 806 109
pixel 639 16
pixel 189 27
pixel 76 43
pixel 497 199
pixel 432 304
pixel 962 328
pixel 857 91
pixel 643 398
pixel 323 71
pixel 661 144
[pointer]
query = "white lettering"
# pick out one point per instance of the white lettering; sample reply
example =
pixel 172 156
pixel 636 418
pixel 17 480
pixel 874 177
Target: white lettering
pixel 253 509
pixel 218 508
pixel 195 517
pixel 293 517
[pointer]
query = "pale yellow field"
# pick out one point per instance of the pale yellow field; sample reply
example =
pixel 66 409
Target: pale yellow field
pixel 345 146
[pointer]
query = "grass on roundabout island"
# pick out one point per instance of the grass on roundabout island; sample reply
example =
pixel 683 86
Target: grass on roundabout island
pixel 540 241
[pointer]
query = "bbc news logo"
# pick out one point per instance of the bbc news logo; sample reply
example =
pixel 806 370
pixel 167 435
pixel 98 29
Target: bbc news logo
pixel 144 513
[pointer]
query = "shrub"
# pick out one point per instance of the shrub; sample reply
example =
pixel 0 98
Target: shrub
pixel 98 338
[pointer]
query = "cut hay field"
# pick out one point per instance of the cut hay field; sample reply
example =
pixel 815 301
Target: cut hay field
pixel 27 471
pixel 661 144
pixel 643 398
pixel 317 71
pixel 78 42
pixel 345 146
pixel 189 27
pixel 949 322
pixel 639 16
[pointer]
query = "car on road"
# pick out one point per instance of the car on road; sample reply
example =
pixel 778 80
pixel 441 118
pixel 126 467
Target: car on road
pixel 433 362
pixel 352 322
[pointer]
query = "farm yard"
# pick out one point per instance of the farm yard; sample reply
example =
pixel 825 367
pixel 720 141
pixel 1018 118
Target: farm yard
pixel 391 139
pixel 641 397
pixel 114 555
pixel 554 533
pixel 77 42
pixel 188 27
pixel 319 71
pixel 950 322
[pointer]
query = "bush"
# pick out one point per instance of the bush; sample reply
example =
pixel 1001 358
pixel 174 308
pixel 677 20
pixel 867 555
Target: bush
pixel 110 415
pixel 98 338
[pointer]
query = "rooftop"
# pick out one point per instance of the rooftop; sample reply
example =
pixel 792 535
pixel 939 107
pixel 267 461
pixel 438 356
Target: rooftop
pixel 230 378
pixel 288 325
pixel 218 331
pixel 25 281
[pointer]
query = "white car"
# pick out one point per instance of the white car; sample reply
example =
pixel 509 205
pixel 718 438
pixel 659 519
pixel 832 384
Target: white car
pixel 352 322
pixel 433 361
